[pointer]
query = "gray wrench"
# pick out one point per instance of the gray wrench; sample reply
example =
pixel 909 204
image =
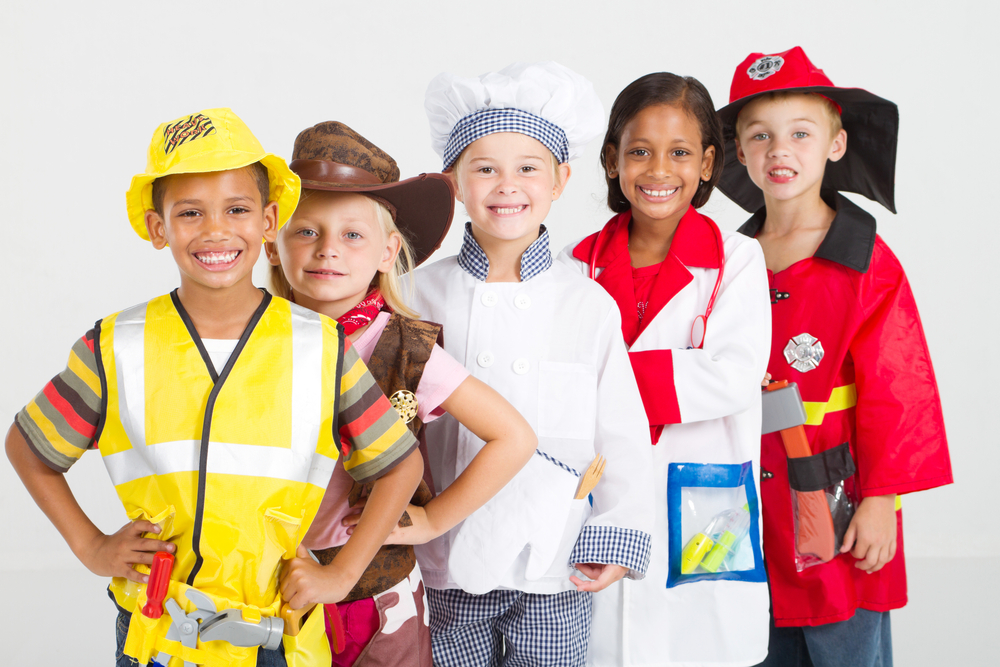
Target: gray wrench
pixel 184 627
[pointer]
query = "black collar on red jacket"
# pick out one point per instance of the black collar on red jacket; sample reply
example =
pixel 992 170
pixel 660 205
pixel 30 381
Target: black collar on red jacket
pixel 850 239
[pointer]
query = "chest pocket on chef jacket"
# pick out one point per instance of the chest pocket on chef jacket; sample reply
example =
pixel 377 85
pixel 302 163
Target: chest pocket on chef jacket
pixel 567 400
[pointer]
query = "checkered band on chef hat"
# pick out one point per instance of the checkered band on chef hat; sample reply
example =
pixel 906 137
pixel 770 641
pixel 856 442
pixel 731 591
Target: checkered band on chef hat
pixel 545 101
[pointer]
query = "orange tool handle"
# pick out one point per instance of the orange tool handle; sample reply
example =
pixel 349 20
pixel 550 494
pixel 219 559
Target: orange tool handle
pixel 796 443
pixel 293 622
pixel 159 581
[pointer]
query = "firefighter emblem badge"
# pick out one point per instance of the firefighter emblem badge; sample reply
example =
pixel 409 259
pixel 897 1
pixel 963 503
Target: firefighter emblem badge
pixel 406 405
pixel 765 67
pixel 804 352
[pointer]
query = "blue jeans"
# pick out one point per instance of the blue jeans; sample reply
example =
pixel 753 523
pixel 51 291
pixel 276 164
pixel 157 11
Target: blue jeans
pixel 264 658
pixel 864 640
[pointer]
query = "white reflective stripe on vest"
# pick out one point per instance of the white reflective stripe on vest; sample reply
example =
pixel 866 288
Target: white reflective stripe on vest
pixel 225 458
pixel 130 331
pixel 300 463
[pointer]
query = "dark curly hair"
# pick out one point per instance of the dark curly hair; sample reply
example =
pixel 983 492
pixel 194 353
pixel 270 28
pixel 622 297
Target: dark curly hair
pixel 685 92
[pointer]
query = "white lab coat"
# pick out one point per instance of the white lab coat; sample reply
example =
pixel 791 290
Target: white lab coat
pixel 718 393
pixel 552 347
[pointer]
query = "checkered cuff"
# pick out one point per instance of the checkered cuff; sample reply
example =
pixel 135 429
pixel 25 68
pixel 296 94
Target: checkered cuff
pixel 614 546
pixel 536 260
pixel 490 121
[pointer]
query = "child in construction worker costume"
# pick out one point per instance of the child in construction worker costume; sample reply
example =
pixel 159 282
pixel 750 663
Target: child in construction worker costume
pixel 846 330
pixel 218 410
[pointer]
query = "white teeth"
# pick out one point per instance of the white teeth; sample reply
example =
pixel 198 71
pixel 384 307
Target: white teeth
pixel 510 211
pixel 217 257
pixel 783 172
pixel 658 193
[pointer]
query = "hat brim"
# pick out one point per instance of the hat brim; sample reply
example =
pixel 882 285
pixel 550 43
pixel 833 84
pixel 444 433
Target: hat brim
pixel 284 183
pixel 868 167
pixel 425 207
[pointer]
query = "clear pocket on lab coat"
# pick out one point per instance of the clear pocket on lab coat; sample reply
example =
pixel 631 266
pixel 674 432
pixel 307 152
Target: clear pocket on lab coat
pixel 714 527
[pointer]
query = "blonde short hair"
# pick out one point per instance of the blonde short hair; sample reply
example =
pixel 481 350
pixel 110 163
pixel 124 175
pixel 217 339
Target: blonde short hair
pixel 390 283
pixel 829 108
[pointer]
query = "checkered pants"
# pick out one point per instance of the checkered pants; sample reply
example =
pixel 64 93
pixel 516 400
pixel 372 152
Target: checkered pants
pixel 509 628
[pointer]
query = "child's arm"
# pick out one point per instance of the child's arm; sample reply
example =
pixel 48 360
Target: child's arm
pixel 105 555
pixel 510 443
pixel 871 537
pixel 304 581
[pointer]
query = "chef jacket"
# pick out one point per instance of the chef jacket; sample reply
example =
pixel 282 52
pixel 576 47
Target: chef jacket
pixel 873 388
pixel 703 409
pixel 550 345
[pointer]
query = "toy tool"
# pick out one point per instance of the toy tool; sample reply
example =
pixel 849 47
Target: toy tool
pixel 293 622
pixel 783 412
pixel 159 580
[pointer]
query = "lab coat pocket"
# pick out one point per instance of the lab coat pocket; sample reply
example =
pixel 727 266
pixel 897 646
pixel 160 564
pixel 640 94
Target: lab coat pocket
pixel 567 400
pixel 713 523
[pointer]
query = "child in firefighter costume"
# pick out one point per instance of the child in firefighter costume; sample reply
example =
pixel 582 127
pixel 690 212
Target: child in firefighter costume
pixel 695 318
pixel 501 587
pixel 219 412
pixel 846 330
pixel 357 229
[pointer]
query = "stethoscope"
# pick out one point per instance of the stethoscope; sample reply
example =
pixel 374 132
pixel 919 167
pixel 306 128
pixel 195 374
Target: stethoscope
pixel 700 324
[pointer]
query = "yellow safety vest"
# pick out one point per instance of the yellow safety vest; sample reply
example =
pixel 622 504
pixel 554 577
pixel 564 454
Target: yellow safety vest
pixel 231 466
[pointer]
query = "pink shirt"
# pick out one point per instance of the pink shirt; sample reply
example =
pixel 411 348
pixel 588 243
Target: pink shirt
pixel 442 375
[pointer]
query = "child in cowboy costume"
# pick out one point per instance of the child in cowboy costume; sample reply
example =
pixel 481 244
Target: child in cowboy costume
pixel 218 410
pixel 356 230
pixel 501 587
pixel 845 328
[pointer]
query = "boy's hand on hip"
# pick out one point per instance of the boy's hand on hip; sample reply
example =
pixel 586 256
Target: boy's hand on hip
pixel 114 555
pixel 602 575
pixel 871 537
pixel 304 582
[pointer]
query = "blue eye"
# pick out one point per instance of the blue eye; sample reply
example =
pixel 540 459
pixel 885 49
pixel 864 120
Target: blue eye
pixel 307 233
pixel 761 136
pixel 800 135
pixel 353 236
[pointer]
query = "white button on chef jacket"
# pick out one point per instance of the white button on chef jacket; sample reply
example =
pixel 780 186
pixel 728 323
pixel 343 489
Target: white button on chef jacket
pixel 490 299
pixel 485 359
pixel 522 301
pixel 522 366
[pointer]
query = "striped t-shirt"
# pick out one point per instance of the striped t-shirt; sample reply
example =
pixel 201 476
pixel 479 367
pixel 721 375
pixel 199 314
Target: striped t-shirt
pixel 59 424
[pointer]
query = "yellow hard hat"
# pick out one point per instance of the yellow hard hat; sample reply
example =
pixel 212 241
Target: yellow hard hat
pixel 210 140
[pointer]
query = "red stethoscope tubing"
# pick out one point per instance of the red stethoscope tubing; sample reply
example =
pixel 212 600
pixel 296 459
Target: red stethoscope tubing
pixel 703 319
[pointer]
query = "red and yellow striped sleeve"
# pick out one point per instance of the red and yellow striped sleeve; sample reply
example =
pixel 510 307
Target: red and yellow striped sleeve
pixel 60 422
pixel 373 437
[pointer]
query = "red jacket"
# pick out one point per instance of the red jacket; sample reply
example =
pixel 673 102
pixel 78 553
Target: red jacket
pixel 874 388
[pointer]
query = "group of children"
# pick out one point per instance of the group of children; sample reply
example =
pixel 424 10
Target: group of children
pixel 424 491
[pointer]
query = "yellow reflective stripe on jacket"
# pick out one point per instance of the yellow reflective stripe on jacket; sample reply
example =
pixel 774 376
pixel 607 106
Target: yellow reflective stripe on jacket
pixel 841 398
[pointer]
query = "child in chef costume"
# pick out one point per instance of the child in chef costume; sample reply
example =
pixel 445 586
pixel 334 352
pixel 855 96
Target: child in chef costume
pixel 356 230
pixel 500 585
pixel 696 320
pixel 847 332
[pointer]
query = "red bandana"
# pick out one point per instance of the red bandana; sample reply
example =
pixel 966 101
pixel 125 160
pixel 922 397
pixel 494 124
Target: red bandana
pixel 363 313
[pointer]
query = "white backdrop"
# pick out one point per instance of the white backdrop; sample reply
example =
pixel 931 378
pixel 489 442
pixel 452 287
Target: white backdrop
pixel 85 84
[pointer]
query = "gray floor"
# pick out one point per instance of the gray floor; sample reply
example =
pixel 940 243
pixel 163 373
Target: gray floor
pixel 65 618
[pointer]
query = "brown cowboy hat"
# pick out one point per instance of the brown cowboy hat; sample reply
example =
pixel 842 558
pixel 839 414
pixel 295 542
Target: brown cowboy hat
pixel 331 156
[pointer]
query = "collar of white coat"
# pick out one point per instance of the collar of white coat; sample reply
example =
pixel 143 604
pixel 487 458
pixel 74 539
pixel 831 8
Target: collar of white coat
pixel 536 260
pixel 850 239
pixel 694 242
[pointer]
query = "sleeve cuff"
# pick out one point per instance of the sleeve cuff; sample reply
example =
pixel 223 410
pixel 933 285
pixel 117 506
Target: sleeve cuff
pixel 611 545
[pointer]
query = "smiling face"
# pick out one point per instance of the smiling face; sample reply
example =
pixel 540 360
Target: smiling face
pixel 659 162
pixel 331 249
pixel 508 182
pixel 213 223
pixel 785 144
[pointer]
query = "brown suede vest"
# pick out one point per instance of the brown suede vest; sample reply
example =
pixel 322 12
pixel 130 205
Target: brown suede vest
pixel 397 364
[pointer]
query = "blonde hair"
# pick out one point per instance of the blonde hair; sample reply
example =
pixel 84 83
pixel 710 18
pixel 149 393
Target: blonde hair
pixel 389 283
pixel 831 111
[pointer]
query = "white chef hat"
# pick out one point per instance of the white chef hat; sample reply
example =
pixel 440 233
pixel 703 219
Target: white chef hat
pixel 545 101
